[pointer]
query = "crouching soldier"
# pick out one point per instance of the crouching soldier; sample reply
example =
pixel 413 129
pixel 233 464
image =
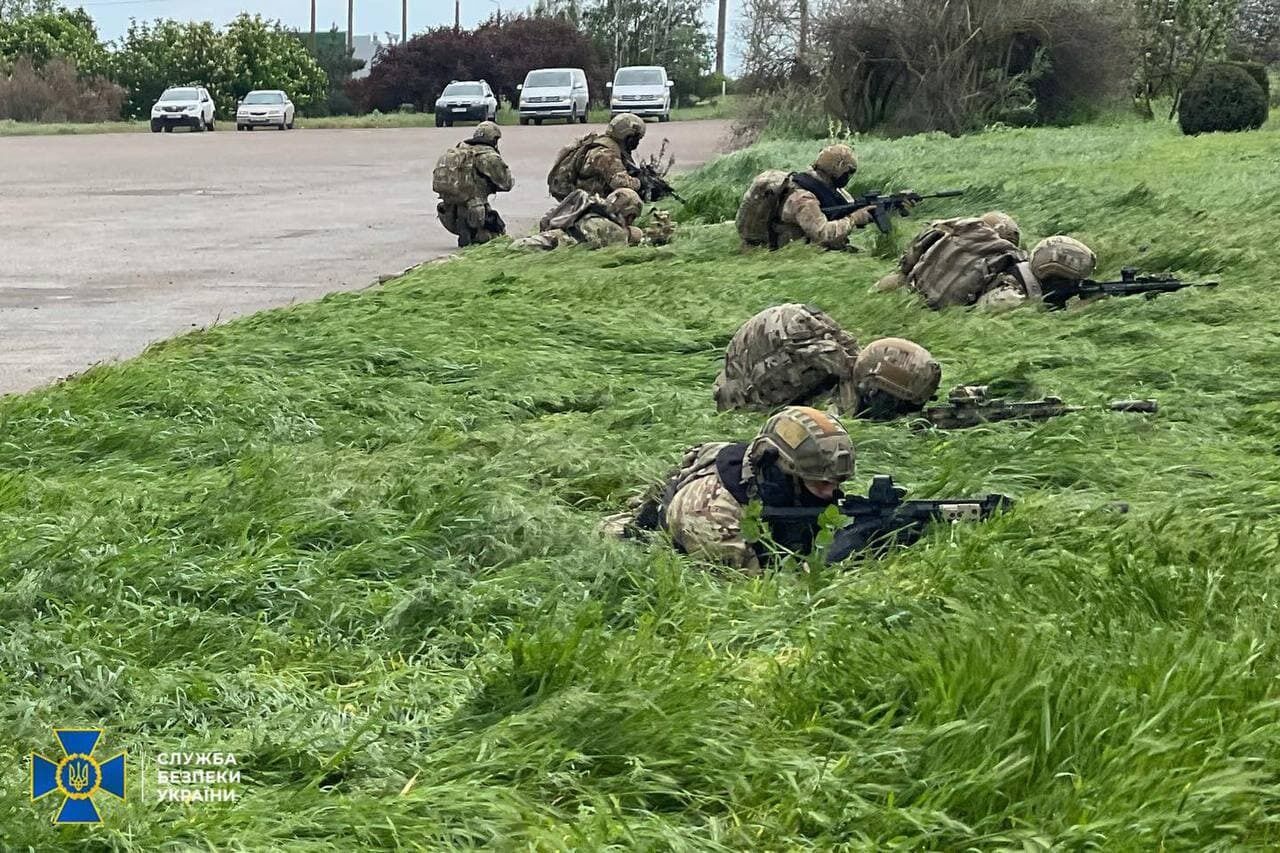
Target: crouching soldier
pixel 588 219
pixel 779 207
pixel 799 459
pixel 464 178
pixel 796 354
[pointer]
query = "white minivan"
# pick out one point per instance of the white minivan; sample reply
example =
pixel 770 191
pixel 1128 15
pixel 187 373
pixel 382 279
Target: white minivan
pixel 644 90
pixel 554 93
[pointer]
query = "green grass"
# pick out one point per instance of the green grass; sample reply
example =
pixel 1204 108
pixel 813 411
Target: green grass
pixel 718 108
pixel 354 542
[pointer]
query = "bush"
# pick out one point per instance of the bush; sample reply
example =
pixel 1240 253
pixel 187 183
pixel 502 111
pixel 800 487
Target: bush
pixel 1258 72
pixel 56 92
pixel 916 65
pixel 1222 97
pixel 416 71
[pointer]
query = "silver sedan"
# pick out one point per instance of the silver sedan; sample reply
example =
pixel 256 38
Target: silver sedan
pixel 265 107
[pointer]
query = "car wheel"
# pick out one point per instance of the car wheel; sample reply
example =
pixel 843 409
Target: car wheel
pixel 283 125
pixel 211 125
pixel 538 122
pixel 665 117
pixel 249 128
pixel 155 127
pixel 292 121
pixel 524 120
pixel 168 128
pixel 582 119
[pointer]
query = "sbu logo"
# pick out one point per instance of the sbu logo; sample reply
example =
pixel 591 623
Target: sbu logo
pixel 78 777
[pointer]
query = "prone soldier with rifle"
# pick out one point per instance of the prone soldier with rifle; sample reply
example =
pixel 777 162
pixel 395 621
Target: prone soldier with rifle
pixel 793 469
pixel 1131 283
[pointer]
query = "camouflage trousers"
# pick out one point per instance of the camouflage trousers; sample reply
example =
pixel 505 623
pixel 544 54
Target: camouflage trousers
pixel 473 220
pixel 546 240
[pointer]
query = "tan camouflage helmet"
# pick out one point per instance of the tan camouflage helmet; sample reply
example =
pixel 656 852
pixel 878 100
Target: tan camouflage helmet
pixel 624 126
pixel 1062 257
pixel 899 369
pixel 835 161
pixel 487 132
pixel 809 444
pixel 1004 226
pixel 625 203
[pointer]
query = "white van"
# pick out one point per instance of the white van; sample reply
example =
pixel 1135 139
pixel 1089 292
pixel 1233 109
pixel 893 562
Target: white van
pixel 554 93
pixel 644 90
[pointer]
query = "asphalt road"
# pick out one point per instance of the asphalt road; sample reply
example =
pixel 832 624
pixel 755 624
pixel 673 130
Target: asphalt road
pixel 111 242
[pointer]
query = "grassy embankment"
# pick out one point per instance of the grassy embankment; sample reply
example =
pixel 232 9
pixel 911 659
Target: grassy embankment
pixel 354 543
pixel 720 108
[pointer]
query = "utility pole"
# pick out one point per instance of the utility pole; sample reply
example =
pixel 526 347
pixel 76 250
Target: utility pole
pixel 457 15
pixel 802 50
pixel 351 23
pixel 719 36
pixel 313 28
pixel 404 21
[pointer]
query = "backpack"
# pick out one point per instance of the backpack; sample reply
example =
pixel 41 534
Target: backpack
pixel 453 178
pixel 761 207
pixel 563 177
pixel 572 209
pixel 955 261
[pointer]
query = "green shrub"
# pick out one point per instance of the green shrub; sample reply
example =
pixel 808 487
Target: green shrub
pixel 1258 72
pixel 1222 97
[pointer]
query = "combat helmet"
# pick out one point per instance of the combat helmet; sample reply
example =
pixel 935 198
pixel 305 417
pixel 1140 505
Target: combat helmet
pixel 625 203
pixel 487 133
pixel 893 376
pixel 626 127
pixel 1062 257
pixel 804 443
pixel 836 163
pixel 1004 226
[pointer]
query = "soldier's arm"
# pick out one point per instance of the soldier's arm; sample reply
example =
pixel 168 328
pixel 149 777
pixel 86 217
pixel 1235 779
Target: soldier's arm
pixel 492 166
pixel 605 163
pixel 803 209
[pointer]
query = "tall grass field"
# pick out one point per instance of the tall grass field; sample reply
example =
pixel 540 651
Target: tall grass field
pixel 354 543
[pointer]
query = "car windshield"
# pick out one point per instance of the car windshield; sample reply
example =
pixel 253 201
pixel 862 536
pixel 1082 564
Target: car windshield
pixel 638 77
pixel 547 79
pixel 463 89
pixel 264 98
pixel 179 95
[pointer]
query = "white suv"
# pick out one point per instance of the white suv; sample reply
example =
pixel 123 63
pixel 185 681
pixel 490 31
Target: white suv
pixel 183 106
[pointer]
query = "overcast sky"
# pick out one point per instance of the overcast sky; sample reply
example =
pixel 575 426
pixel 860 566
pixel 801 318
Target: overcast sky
pixel 371 16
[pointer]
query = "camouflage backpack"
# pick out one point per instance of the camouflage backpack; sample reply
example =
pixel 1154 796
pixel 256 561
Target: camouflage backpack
pixel 954 261
pixel 787 354
pixel 575 205
pixel 562 179
pixel 761 206
pixel 454 178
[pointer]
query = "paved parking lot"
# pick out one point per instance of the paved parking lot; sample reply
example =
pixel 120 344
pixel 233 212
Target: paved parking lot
pixel 111 242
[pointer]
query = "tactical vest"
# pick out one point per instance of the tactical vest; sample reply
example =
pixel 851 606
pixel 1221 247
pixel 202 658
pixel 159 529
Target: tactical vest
pixel 957 260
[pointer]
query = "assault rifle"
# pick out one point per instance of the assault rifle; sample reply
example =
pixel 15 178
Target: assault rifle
pixel 971 405
pixel 653 186
pixel 1130 284
pixel 883 518
pixel 884 206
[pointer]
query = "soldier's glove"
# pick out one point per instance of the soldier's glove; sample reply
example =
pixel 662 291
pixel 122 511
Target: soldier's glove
pixel 907 204
pixel 860 218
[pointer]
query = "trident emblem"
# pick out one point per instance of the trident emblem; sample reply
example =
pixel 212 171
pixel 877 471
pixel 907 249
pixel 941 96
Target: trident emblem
pixel 77 776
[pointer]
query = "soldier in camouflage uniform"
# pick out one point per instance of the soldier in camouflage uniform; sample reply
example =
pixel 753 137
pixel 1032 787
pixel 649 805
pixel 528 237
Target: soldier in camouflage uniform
pixel 778 208
pixel 464 178
pixel 593 221
pixel 797 355
pixel 601 163
pixel 799 459
pixel 978 262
